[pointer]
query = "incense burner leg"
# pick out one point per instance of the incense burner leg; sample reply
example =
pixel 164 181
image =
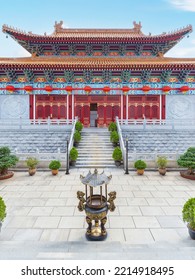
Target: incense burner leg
pixel 103 222
pixel 96 223
pixel 89 222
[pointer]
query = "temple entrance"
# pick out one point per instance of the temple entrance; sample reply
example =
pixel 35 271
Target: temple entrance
pixel 98 110
pixel 93 115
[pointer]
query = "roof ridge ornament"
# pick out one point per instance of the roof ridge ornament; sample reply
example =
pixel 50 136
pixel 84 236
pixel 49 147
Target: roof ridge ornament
pixel 58 27
pixel 137 27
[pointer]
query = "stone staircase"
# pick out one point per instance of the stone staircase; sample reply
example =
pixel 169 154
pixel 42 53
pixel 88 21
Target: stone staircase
pixel 163 141
pixel 95 149
pixel 28 141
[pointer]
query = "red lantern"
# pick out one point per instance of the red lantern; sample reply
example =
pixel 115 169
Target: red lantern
pixel 184 89
pixel 106 89
pixel 166 89
pixel 48 89
pixel 68 89
pixel 28 89
pixel 11 89
pixel 146 89
pixel 87 89
pixel 125 89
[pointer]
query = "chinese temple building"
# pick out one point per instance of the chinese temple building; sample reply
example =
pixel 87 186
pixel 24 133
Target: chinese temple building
pixel 97 74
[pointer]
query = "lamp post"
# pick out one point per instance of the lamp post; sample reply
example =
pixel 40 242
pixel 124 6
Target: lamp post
pixel 67 157
pixel 127 168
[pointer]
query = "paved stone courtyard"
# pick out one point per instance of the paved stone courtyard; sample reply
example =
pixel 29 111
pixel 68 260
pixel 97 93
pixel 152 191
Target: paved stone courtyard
pixel 43 221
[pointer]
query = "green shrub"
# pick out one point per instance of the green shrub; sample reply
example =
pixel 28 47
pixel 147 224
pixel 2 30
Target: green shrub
pixel 114 137
pixel 77 136
pixel 140 164
pixel 188 160
pixel 54 165
pixel 73 154
pixel 117 154
pixel 32 162
pixel 78 126
pixel 2 210
pixel 189 213
pixel 6 160
pixel 112 126
pixel 162 162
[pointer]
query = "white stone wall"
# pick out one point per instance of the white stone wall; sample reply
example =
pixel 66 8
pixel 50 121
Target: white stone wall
pixel 14 106
pixel 180 107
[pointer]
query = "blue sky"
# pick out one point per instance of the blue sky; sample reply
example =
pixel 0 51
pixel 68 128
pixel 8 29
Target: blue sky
pixel 39 16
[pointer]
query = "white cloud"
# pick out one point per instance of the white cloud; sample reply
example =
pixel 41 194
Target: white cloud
pixel 187 5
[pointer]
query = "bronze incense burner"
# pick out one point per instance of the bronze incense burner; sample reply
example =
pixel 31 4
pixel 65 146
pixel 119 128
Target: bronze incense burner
pixel 96 202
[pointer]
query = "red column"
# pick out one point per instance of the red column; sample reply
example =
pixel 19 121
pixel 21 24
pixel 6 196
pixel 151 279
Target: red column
pixel 163 106
pixel 104 115
pixel 31 106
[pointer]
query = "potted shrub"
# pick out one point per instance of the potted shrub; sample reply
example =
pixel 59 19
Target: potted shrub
pixel 162 163
pixel 73 156
pixel 188 160
pixel 112 126
pixel 140 165
pixel 77 138
pixel 32 162
pixel 2 211
pixel 117 156
pixel 114 138
pixel 188 214
pixel 6 161
pixel 54 166
pixel 78 126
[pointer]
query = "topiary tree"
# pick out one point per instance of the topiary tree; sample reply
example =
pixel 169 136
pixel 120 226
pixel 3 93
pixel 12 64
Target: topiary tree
pixel 188 160
pixel 188 212
pixel 114 137
pixel 6 160
pixel 78 126
pixel 77 136
pixel 73 154
pixel 117 154
pixel 112 126
pixel 2 209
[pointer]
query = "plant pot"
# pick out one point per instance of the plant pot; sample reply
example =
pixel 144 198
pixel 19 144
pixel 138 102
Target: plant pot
pixel 32 171
pixel 73 162
pixel 117 163
pixel 162 171
pixel 187 176
pixel 76 144
pixel 191 232
pixel 8 175
pixel 140 171
pixel 54 172
pixel 114 144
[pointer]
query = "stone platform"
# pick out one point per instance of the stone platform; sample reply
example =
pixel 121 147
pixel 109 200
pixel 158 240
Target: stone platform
pixel 43 218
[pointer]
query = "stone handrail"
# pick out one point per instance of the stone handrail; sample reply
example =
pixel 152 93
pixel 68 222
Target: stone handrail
pixel 71 140
pixel 158 124
pixel 49 124
pixel 122 145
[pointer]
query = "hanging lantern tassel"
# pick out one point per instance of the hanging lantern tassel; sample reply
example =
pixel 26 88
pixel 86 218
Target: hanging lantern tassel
pixel 68 89
pixel 184 89
pixel 166 89
pixel 28 89
pixel 10 88
pixel 125 90
pixel 145 89
pixel 48 89
pixel 106 90
pixel 87 89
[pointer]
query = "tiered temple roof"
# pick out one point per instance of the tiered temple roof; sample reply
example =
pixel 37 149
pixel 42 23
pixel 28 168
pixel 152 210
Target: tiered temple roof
pixel 97 56
pixel 97 42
